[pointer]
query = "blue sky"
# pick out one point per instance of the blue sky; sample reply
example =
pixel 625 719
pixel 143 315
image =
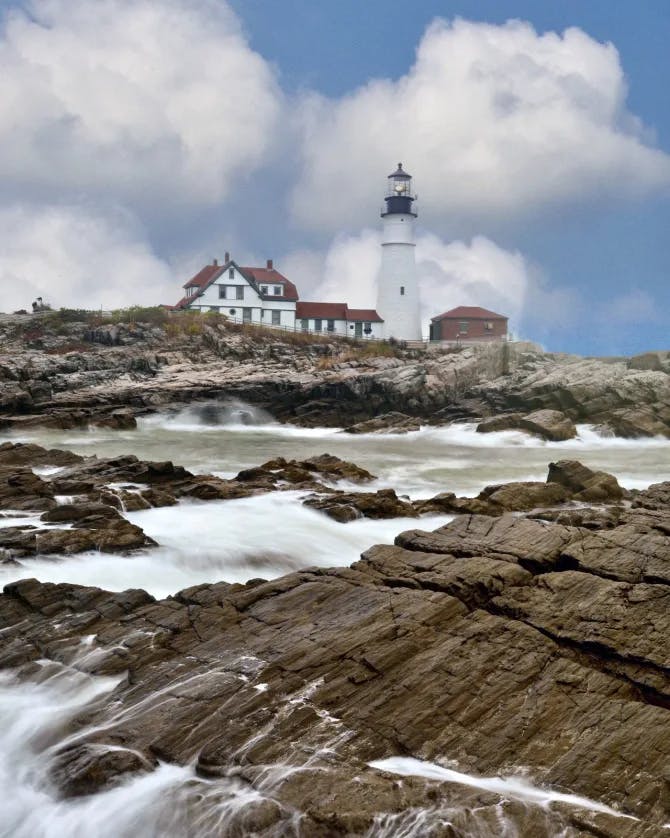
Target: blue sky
pixel 142 138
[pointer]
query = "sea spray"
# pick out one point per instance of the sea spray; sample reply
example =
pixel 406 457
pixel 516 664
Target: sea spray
pixel 233 541
pixel 435 459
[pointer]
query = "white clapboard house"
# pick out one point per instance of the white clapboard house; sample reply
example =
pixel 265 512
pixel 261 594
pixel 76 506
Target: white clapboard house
pixel 265 297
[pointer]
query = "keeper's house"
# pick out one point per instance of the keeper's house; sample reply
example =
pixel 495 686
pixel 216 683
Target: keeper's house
pixel 251 295
pixel 468 323
pixel 267 298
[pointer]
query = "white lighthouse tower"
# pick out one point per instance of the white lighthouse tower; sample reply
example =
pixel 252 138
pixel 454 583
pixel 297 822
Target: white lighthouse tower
pixel 398 292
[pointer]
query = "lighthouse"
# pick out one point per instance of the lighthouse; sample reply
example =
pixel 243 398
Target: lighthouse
pixel 398 292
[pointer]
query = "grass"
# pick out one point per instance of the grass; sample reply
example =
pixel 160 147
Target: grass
pixel 335 348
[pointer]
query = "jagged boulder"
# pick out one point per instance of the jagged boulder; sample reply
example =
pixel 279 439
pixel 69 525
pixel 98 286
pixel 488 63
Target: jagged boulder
pixel 552 425
pixel 639 421
pixel 387 423
pixel 304 471
pixel 347 506
pixel 656 497
pixel 22 489
pixel 519 496
pixel 502 422
pixel 29 454
pixel 85 769
pixel 583 483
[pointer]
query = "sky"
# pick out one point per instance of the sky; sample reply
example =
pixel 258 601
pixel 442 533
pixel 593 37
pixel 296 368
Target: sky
pixel 140 139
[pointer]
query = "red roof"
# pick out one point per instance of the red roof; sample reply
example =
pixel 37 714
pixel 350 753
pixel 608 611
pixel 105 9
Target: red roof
pixel 333 311
pixel 204 276
pixel 254 276
pixel 368 314
pixel 470 313
pixel 336 311
pixel 269 276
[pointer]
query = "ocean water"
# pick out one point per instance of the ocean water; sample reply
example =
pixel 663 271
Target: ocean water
pixel 237 540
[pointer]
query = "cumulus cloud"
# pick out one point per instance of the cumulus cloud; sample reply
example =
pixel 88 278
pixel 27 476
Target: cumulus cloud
pixel 635 306
pixel 349 270
pixel 73 257
pixel 492 120
pixel 475 273
pixel 155 101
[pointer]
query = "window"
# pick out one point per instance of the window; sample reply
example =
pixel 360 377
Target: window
pixel 276 318
pixel 367 328
pixel 277 290
pixel 264 289
pixel 239 292
pixel 231 273
pixel 488 326
pixel 331 325
pixel 222 292
pixel 232 310
pixel 304 324
pixel 246 315
pixel 463 327
pixel 214 308
pixel 318 324
pixel 402 290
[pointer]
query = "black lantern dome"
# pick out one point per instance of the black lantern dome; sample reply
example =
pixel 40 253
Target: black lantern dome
pixel 399 197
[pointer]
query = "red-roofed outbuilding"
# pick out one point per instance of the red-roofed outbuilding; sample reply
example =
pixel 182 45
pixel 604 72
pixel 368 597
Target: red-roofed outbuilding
pixel 469 323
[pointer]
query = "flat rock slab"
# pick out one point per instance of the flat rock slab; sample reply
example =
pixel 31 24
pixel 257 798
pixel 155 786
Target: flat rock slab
pixel 479 645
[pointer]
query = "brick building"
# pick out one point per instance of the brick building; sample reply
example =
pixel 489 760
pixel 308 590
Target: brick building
pixel 468 323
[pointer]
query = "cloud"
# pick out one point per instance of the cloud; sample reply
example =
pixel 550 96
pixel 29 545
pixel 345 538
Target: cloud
pixel 73 257
pixel 151 101
pixel 477 273
pixel 633 307
pixel 349 271
pixel 494 121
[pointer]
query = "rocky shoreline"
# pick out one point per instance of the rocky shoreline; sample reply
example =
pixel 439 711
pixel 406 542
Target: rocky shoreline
pixel 61 373
pixel 527 635
pixel 527 638
pixel 81 501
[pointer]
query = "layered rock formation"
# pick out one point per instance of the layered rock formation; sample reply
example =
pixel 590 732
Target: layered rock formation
pixel 81 499
pixel 68 374
pixel 499 644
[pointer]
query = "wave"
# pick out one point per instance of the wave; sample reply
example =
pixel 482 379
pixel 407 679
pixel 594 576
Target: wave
pixel 233 541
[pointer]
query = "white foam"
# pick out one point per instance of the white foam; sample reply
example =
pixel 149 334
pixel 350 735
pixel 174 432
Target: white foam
pixel 264 536
pixel 517 788
pixel 46 471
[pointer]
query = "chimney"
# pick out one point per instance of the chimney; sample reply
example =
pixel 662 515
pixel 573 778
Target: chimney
pixel 269 264
pixel 215 262
pixel 226 258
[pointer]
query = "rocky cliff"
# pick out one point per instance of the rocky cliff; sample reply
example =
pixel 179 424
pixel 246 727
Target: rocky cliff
pixel 67 373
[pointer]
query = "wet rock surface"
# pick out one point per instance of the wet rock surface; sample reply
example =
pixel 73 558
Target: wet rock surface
pixel 348 506
pixel 387 423
pixel 83 499
pixel 495 645
pixel 62 374
pixel 552 425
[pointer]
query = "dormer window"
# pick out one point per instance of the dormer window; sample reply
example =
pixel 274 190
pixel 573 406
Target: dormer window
pixel 277 290
pixel 264 289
